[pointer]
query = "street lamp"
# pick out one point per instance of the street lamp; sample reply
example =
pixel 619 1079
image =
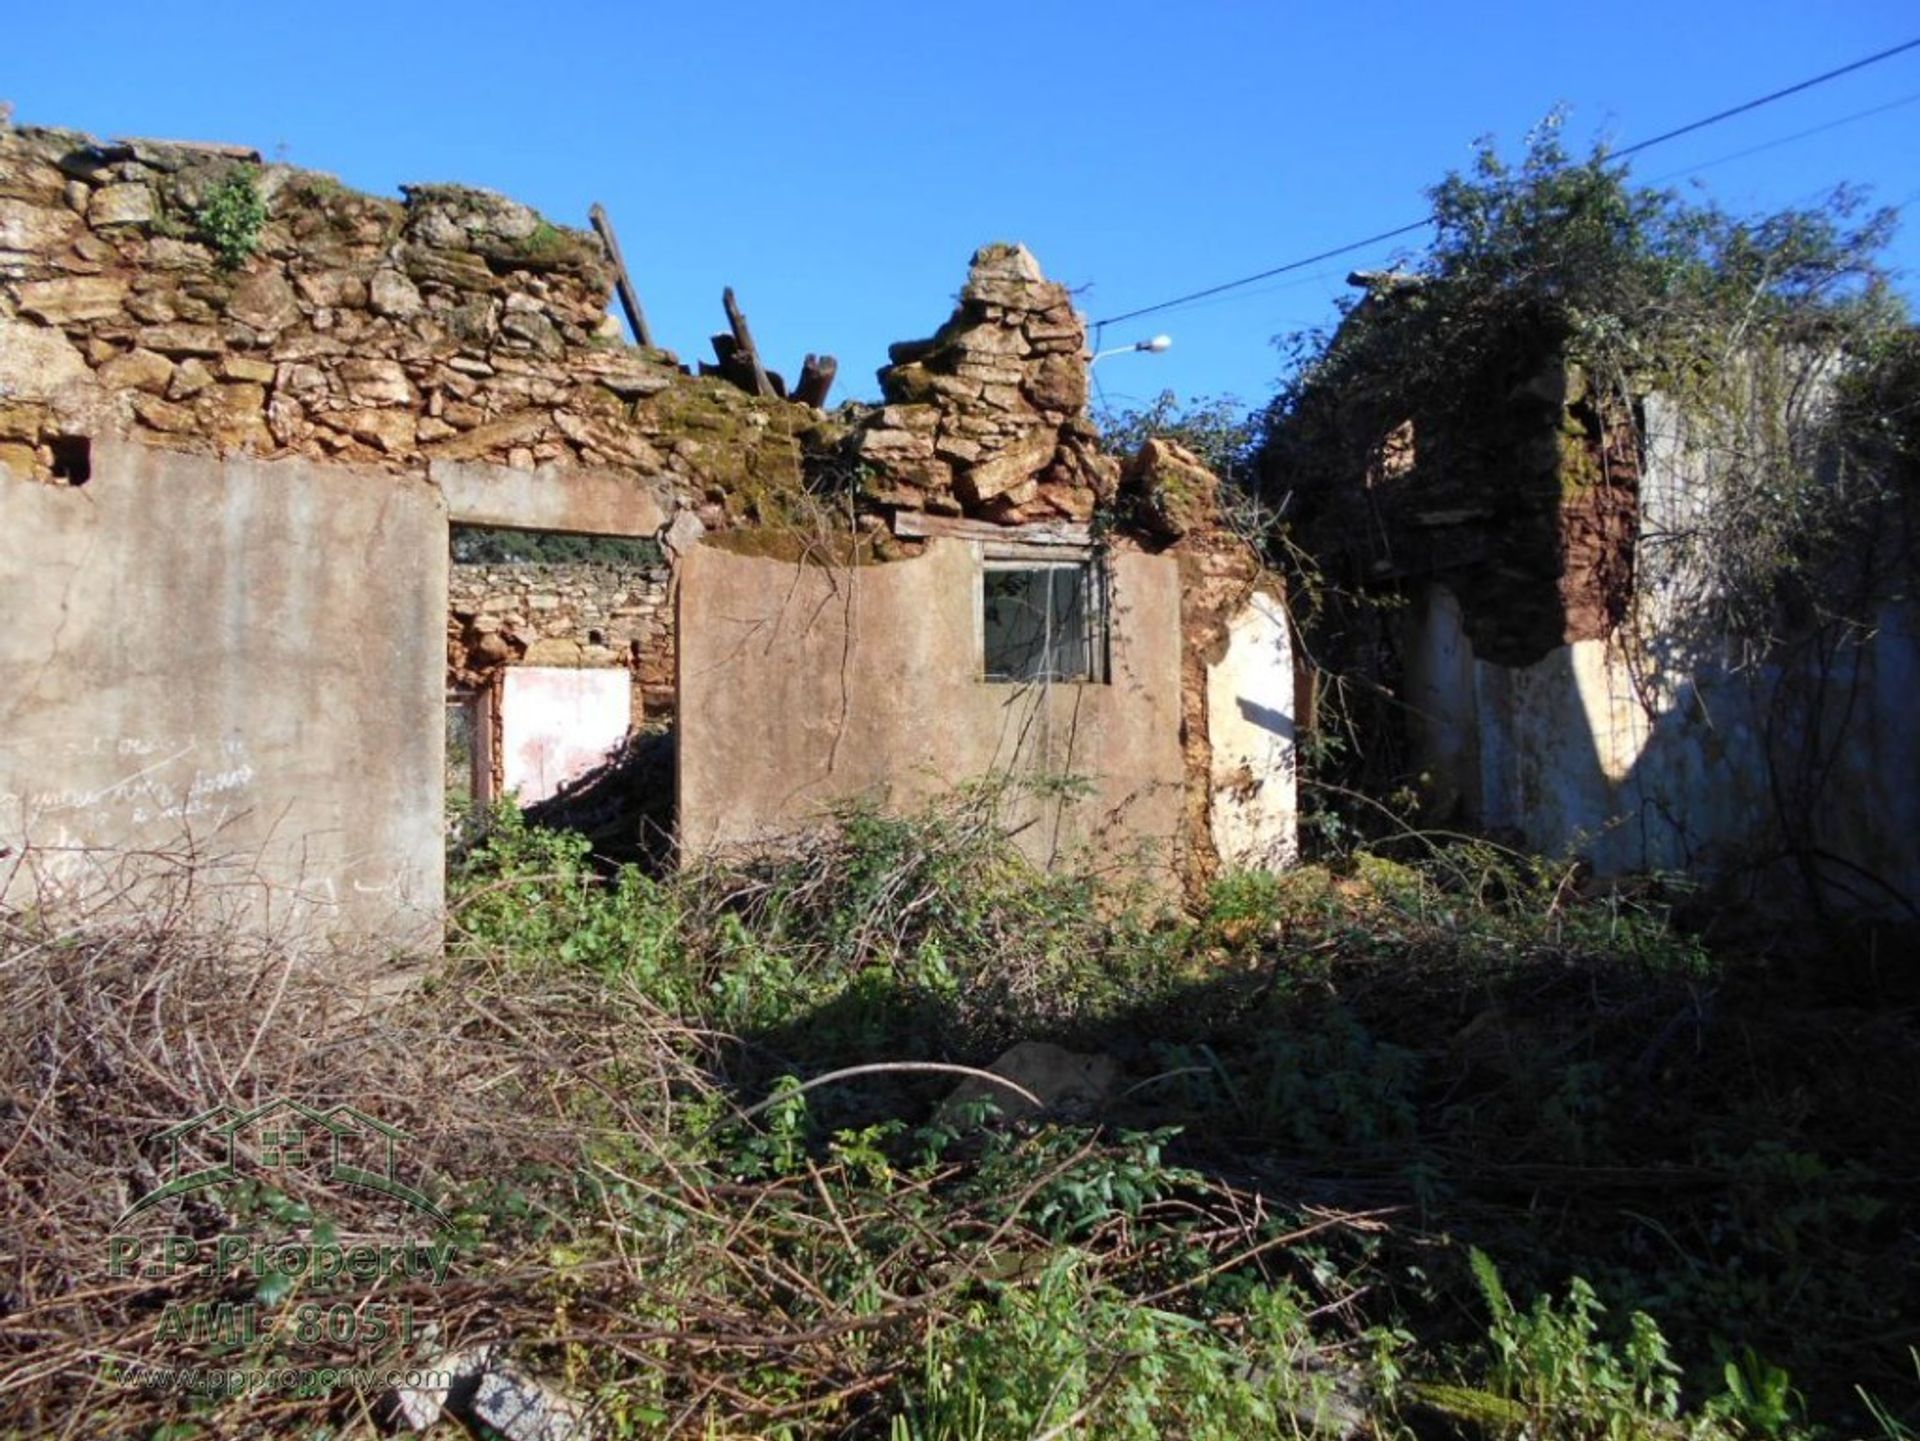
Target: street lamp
pixel 1152 347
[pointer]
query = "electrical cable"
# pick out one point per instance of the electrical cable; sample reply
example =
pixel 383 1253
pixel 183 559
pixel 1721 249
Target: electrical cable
pixel 1421 224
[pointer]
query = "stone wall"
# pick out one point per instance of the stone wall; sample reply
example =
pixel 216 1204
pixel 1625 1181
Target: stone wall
pixel 453 325
pixel 988 418
pixel 573 613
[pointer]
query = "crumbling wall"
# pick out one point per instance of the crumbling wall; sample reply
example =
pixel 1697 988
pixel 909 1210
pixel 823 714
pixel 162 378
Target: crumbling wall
pixel 988 418
pixel 453 325
pixel 572 613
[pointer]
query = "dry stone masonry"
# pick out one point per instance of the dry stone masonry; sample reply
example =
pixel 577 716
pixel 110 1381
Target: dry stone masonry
pixel 988 418
pixel 451 325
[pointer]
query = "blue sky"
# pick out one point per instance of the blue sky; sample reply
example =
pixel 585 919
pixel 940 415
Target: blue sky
pixel 838 162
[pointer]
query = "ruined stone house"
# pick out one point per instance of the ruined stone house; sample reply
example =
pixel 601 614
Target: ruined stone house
pixel 1548 655
pixel 233 456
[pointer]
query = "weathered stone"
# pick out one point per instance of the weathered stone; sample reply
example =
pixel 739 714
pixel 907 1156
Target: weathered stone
pixel 456 270
pixel 1004 262
pixel 1016 463
pixel 493 437
pixel 954 447
pixel 32 231
pixel 394 295
pixel 189 379
pixel 238 367
pixel 166 253
pixel 137 370
pixel 1059 383
pixel 1062 1081
pixel 165 416
pixel 89 297
pixel 1175 490
pixel 375 382
pixel 182 339
pixel 37 362
pixel 332 288
pixel 22 460
pixel 992 343
pixel 129 204
pixel 533 328
pixel 237 415
pixel 264 301
pixel 391 430
pixel 520 1409
pixel 682 533
pixel 920 419
pixel 886 446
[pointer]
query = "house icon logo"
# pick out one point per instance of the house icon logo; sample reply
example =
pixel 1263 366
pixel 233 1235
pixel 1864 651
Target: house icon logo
pixel 283 1135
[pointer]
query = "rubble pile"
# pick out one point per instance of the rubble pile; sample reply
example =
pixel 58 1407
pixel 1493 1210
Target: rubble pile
pixel 988 418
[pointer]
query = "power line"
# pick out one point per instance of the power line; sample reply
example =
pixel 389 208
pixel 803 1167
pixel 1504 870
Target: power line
pixel 1424 221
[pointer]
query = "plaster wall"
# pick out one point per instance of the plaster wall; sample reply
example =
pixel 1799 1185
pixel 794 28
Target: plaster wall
pixel 556 725
pixel 804 685
pixel 1638 765
pixel 1250 728
pixel 235 659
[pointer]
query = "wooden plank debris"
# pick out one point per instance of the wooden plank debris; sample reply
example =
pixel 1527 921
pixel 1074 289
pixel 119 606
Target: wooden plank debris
pixel 622 282
pixel 816 379
pixel 919 525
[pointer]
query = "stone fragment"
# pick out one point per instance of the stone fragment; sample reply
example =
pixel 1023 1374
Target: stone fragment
pixel 22 460
pixel 37 362
pixel 32 232
pixel 1174 489
pixel 164 415
pixel 1059 382
pixel 166 253
pixel 533 328
pixel 885 446
pixel 84 297
pixel 394 295
pixel 238 367
pixel 264 301
pixel 391 430
pixel 520 1409
pixel 189 379
pixel 682 534
pixel 137 370
pixel 126 204
pixel 513 430
pixel 376 382
pixel 183 339
pixel 332 288
pixel 919 419
pixel 1017 462
pixel 1063 1081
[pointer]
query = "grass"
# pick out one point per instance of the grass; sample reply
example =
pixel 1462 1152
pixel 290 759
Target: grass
pixel 1438 1145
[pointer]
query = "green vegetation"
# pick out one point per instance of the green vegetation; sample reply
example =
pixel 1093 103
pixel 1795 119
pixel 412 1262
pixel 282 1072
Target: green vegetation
pixel 1750 327
pixel 230 218
pixel 1342 1090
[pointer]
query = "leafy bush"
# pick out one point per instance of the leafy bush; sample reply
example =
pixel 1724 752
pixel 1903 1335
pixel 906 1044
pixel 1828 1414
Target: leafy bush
pixel 230 218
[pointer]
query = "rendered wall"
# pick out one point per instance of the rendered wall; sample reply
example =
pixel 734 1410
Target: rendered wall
pixel 1250 727
pixel 237 658
pixel 803 685
pixel 1648 749
pixel 1588 752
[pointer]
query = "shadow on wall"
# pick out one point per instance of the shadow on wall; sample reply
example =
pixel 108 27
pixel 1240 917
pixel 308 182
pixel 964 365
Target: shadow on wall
pixel 624 806
pixel 1804 762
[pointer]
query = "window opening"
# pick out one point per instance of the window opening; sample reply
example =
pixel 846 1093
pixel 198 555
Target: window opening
pixel 1043 621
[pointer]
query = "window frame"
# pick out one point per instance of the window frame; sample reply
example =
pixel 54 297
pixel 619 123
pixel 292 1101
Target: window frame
pixel 1088 562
